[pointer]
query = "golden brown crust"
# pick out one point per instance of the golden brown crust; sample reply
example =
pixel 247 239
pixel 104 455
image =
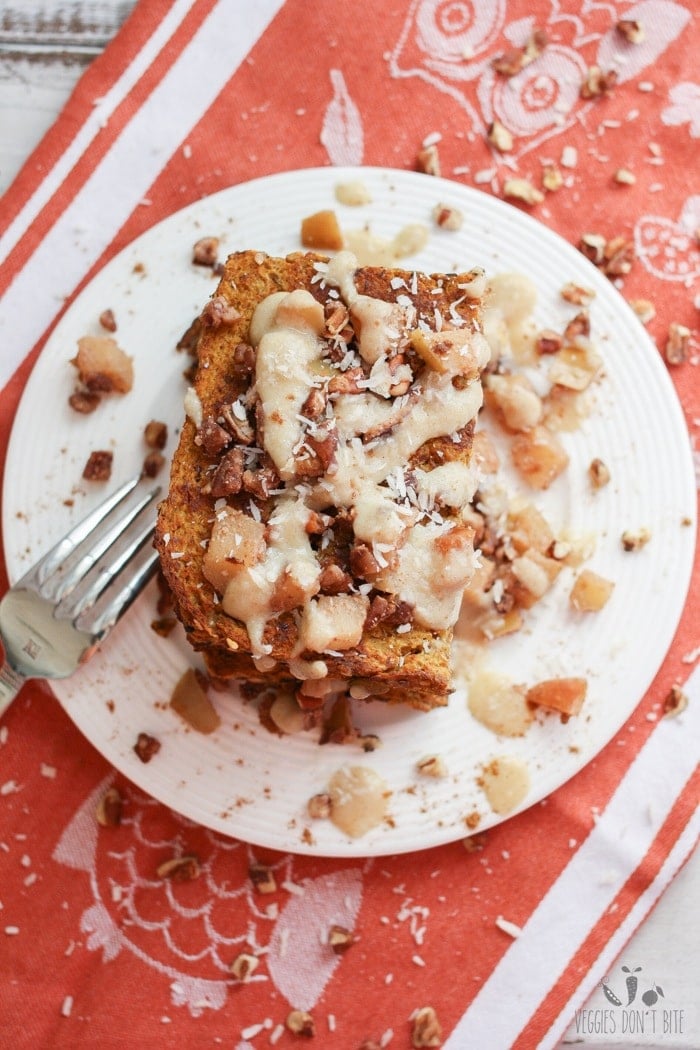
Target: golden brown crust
pixel 412 666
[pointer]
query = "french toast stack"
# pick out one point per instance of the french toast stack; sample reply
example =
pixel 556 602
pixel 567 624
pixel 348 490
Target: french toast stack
pixel 313 533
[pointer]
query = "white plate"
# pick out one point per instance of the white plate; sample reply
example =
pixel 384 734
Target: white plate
pixel 243 781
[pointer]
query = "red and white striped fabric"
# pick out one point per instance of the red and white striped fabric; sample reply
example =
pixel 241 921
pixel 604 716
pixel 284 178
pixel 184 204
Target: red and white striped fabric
pixel 195 96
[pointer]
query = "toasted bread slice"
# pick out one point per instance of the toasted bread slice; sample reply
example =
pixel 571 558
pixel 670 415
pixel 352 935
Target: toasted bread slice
pixel 313 527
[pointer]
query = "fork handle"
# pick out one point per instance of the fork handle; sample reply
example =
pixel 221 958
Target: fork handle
pixel 11 682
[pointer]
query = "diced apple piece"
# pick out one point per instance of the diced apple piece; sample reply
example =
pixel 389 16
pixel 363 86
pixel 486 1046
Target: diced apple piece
pixel 499 704
pixel 450 350
pixel 565 695
pixel 102 366
pixel 575 367
pixel 528 527
pixel 534 574
pixel 564 410
pixel 515 399
pixel 191 702
pixel 497 625
pixel 294 586
pixel 322 230
pixel 590 591
pixel 236 540
pixel 538 457
pixel 333 621
pixel 300 310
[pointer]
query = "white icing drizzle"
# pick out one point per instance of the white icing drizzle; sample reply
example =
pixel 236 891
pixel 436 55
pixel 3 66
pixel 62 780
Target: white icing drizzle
pixel 431 558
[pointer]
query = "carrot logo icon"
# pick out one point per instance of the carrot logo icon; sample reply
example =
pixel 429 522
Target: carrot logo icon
pixel 631 983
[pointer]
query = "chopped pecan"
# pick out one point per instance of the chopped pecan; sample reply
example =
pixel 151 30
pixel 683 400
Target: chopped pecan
pixel 631 29
pixel 380 608
pixel 675 702
pixel 244 966
pixel 577 294
pixel 515 59
pixel 98 466
pixel 219 311
pixel 592 245
pixel 428 160
pixel 500 137
pixel 244 358
pixel 212 437
pixel 619 257
pixel 426 1030
pixel 236 422
pixel 644 309
pixel 156 434
pixel 614 257
pixel 109 809
pixel 337 318
pixel 315 404
pixel 340 939
pixel 180 869
pixel 635 539
pixel 318 452
pixel 334 580
pixel 263 878
pixel 261 482
pixel 548 342
pixel 84 402
pixel 153 463
pixel 146 746
pixel 432 766
pixel 316 523
pixel 319 806
pixel 448 217
pixel 301 1023
pixel 552 178
pixel 228 478
pixel 578 325
pixel 363 563
pixel 350 382
pixel 677 344
pixel 522 190
pixel 598 473
pixel 108 321
pixel 598 83
pixel 205 251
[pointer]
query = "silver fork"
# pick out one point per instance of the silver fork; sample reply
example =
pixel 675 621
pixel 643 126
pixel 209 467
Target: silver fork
pixel 55 616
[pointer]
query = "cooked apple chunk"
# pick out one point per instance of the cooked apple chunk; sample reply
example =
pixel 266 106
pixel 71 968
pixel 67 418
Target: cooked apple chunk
pixel 102 365
pixel 539 457
pixel 236 540
pixel 322 230
pixel 565 695
pixel 333 621
pixel 590 591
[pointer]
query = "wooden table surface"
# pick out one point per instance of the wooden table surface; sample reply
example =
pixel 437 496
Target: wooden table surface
pixel 44 48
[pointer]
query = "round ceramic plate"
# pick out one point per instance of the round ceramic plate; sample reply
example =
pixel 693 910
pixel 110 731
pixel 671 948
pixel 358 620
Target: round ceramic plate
pixel 242 780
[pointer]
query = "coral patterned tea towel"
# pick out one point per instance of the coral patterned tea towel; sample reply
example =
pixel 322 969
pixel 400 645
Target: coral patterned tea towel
pixel 595 110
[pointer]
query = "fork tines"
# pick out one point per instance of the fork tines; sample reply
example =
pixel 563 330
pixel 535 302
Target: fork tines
pixel 97 569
